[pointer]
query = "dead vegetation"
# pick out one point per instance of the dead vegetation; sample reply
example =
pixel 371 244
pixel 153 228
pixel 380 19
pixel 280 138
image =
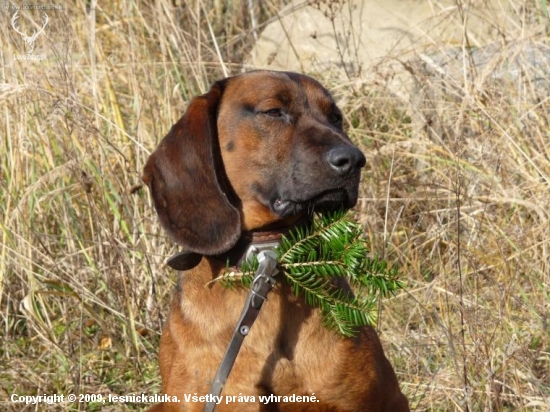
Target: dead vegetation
pixel 456 193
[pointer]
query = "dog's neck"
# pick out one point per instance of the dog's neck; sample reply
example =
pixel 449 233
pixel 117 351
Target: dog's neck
pixel 250 243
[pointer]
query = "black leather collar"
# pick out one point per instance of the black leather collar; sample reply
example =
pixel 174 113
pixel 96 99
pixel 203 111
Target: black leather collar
pixel 249 242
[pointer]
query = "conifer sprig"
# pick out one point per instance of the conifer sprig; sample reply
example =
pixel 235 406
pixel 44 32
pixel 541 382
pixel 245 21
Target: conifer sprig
pixel 313 258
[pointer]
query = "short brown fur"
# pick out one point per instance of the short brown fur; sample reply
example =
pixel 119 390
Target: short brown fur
pixel 259 150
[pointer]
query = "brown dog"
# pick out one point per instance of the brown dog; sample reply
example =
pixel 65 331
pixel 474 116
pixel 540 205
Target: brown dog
pixel 259 152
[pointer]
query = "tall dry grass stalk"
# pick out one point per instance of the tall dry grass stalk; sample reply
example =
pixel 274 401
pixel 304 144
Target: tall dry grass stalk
pixel 456 192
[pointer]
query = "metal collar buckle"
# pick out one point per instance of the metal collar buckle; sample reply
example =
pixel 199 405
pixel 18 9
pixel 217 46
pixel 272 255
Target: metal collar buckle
pixel 255 248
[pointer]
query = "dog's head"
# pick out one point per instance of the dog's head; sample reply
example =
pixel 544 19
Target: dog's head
pixel 259 149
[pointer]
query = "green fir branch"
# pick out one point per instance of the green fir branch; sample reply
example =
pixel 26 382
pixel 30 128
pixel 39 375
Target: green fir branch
pixel 313 257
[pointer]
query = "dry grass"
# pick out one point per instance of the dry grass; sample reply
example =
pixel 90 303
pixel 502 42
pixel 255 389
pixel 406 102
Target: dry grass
pixel 457 194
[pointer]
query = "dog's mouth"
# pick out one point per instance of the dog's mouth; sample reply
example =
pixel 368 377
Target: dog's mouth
pixel 325 201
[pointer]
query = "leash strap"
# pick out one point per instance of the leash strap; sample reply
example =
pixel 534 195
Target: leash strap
pixel 261 285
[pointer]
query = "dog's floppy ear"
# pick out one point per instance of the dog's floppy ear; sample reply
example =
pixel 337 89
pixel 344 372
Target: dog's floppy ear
pixel 184 175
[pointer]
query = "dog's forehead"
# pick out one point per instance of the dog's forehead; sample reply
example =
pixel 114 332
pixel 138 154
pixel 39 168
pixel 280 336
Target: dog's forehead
pixel 286 87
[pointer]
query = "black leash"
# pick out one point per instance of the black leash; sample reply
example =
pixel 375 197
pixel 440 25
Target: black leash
pixel 261 285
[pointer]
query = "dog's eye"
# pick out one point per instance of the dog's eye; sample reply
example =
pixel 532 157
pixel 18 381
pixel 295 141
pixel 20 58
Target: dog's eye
pixel 273 113
pixel 335 118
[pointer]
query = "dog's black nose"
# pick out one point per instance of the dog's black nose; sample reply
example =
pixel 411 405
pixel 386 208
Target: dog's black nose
pixel 344 159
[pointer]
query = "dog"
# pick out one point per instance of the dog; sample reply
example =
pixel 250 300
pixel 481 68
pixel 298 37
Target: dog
pixel 253 157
